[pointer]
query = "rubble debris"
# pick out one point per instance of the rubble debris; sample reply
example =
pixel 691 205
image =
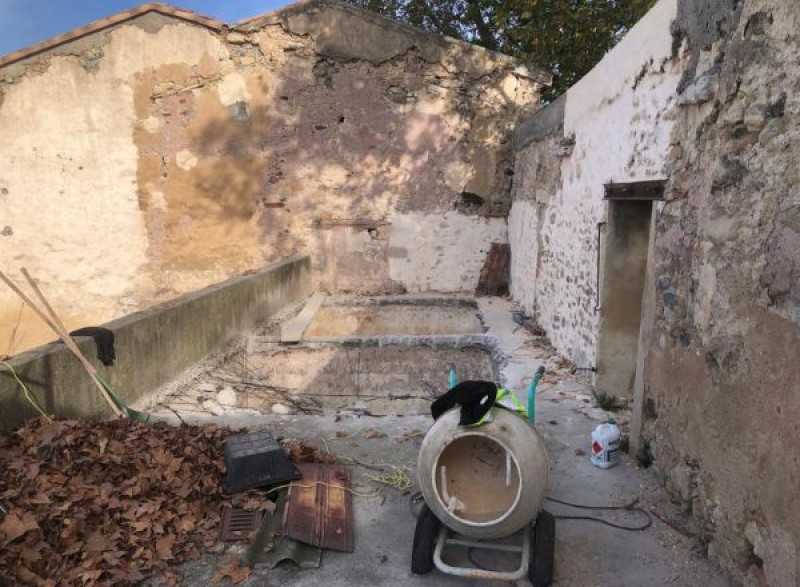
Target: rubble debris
pixel 110 503
pixel 270 547
pixel 410 435
pixel 535 329
pixel 281 410
pixel 564 363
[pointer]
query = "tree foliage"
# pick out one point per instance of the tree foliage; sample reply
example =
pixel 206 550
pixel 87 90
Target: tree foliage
pixel 565 37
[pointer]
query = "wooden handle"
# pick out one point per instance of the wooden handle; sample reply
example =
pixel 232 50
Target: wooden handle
pixel 65 338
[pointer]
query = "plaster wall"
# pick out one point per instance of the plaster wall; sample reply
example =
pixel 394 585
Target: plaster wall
pixel 616 128
pixel 456 246
pixel 159 156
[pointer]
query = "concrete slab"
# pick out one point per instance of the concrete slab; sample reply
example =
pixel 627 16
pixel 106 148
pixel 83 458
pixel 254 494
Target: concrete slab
pixel 293 330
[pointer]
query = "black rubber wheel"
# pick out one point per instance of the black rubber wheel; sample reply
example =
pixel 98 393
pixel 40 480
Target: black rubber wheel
pixel 543 550
pixel 425 536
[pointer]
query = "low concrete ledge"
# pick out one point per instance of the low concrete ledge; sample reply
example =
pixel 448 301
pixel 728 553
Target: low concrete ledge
pixel 153 346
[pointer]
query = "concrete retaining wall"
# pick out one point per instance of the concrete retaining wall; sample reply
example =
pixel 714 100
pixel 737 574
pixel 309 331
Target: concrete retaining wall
pixel 153 346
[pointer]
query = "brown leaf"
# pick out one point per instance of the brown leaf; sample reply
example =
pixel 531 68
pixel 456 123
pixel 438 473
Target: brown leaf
pixel 39 499
pixel 164 547
pixel 186 523
pixel 233 570
pixel 372 433
pixel 15 525
pixel 30 555
pixel 96 542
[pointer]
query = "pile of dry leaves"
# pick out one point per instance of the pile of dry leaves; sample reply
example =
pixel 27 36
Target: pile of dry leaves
pixel 109 503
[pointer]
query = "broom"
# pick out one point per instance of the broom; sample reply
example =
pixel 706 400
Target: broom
pixel 62 332
pixel 116 404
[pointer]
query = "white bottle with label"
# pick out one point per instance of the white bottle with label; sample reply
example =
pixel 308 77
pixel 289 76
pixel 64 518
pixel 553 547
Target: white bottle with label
pixel 605 445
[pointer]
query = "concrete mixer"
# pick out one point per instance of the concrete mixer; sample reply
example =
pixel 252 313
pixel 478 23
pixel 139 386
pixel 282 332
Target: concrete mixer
pixel 483 483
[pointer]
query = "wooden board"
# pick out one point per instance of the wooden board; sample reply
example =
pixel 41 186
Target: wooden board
pixel 495 272
pixel 293 330
pixel 320 509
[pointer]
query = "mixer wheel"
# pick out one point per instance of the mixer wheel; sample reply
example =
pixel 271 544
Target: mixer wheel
pixel 424 541
pixel 543 548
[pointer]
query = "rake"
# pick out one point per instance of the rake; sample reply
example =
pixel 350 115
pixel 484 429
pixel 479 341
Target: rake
pixel 117 405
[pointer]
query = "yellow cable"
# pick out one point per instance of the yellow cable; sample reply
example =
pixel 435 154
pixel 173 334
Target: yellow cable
pixel 398 478
pixel 28 395
pixel 307 486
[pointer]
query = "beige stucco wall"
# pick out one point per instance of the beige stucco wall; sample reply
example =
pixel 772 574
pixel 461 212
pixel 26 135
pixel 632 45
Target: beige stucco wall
pixel 159 156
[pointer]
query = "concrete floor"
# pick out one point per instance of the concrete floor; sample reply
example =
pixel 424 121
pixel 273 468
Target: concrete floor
pixel 587 553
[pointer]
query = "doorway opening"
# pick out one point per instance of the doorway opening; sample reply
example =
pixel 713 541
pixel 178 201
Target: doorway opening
pixel 630 211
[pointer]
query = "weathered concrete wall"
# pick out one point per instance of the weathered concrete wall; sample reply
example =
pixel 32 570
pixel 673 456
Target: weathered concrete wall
pixel 721 389
pixel 152 347
pixel 130 176
pixel 615 127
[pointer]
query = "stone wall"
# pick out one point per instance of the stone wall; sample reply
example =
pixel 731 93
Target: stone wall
pixel 722 377
pixel 703 94
pixel 612 126
pixel 156 156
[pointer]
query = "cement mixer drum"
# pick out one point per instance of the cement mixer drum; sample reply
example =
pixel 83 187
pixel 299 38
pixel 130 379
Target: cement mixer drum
pixel 487 481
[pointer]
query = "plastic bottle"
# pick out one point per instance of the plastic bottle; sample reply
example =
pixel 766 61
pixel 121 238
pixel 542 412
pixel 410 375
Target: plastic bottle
pixel 605 445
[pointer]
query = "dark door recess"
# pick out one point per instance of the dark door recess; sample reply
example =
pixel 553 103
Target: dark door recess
pixel 630 210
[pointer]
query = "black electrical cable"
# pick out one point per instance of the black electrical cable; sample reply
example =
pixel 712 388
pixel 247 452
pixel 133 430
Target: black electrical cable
pixel 630 507
pixel 416 499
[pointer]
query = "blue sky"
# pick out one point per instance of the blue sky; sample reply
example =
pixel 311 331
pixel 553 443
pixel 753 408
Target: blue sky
pixel 25 22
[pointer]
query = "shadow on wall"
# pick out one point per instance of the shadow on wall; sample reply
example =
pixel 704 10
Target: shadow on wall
pixel 318 162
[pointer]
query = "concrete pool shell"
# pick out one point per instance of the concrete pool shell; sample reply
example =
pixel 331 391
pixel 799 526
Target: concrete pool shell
pixel 387 355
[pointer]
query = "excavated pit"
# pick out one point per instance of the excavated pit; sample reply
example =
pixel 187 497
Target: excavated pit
pixel 370 356
pixel 377 380
pixel 393 319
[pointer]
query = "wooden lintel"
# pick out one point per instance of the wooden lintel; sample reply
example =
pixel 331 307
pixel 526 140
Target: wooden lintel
pixel 636 190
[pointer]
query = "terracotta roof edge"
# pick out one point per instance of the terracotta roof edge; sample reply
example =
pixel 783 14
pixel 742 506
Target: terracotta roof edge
pixel 107 22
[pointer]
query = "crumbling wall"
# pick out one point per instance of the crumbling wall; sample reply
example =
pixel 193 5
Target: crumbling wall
pixel 721 391
pixel 712 106
pixel 158 156
pixel 613 126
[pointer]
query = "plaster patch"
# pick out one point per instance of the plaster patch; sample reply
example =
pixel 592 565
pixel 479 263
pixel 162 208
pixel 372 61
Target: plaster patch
pixel 233 89
pixel 151 124
pixel 185 159
pixel 172 44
